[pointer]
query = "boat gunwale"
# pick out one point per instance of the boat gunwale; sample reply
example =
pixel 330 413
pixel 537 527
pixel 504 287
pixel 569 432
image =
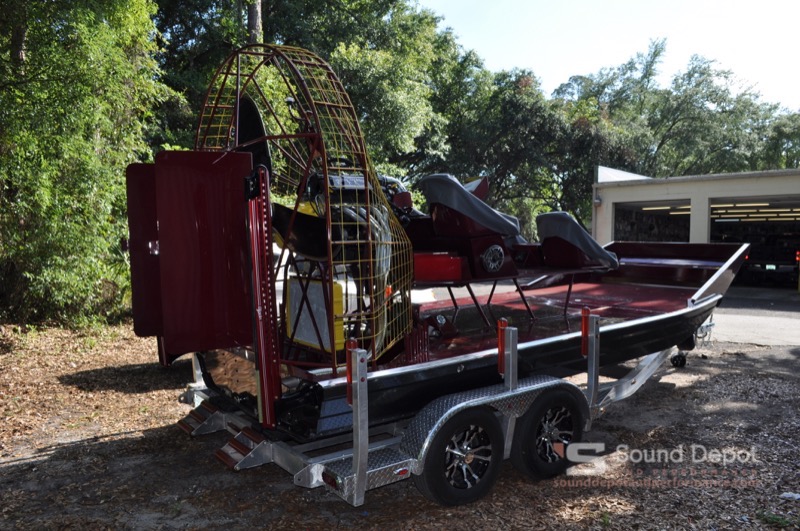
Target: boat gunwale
pixel 692 307
pixel 724 269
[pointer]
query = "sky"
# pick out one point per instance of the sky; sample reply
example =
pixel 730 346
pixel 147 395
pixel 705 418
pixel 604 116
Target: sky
pixel 758 41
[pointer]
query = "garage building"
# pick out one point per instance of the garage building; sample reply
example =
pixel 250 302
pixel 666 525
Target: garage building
pixel 762 208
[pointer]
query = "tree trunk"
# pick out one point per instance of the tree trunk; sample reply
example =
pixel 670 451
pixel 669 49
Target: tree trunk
pixel 255 27
pixel 19 34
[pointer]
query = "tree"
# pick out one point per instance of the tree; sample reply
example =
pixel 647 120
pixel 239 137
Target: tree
pixel 702 126
pixel 703 123
pixel 541 155
pixel 499 126
pixel 590 140
pixel 255 26
pixel 195 37
pixel 78 84
pixel 622 91
pixel 387 75
pixel 781 146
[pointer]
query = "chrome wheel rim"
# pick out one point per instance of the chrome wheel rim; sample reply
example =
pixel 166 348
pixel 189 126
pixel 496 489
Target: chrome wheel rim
pixel 467 457
pixel 554 433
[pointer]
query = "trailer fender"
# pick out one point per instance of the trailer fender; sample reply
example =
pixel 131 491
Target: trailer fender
pixel 514 403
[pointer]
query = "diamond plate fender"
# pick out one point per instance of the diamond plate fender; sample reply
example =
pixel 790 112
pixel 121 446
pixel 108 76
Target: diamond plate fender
pixel 422 429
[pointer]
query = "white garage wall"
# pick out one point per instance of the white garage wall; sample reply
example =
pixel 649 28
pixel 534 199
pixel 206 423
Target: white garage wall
pixel 615 187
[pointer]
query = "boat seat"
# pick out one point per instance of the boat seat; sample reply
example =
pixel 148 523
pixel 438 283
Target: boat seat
pixel 473 216
pixel 565 244
pixel 463 241
pixel 462 223
pixel 567 249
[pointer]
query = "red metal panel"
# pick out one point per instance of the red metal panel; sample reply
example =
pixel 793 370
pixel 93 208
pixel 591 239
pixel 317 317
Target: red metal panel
pixel 203 249
pixel 440 267
pixel 143 234
pixel 452 223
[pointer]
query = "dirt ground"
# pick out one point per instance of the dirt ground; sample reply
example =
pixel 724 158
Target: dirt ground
pixel 88 440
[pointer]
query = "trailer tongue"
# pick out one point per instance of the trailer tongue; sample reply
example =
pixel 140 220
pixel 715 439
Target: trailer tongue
pixel 308 341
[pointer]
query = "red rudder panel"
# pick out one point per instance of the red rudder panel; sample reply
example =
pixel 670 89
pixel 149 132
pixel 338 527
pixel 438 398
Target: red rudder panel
pixel 203 250
pixel 143 246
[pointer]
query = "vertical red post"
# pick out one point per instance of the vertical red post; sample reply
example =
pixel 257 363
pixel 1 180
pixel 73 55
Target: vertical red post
pixel 502 324
pixel 351 345
pixel 585 313
pixel 265 333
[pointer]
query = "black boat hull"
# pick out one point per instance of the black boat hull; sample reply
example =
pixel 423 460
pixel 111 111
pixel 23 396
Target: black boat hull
pixel 321 410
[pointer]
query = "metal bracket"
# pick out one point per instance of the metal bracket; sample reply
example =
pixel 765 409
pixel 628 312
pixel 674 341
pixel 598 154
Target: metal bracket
pixel 360 424
pixel 600 396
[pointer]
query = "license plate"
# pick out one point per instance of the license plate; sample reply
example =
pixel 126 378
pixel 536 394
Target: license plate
pixel 771 267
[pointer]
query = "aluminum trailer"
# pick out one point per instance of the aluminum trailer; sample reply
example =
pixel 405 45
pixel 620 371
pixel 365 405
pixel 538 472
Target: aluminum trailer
pixel 453 448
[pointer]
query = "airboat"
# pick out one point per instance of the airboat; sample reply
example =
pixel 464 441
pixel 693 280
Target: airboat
pixel 275 255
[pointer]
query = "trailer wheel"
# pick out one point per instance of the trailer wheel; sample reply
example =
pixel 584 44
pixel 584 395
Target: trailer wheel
pixel 678 360
pixel 463 459
pixel 553 421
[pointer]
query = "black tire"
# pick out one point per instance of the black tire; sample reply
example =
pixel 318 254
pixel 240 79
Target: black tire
pixel 464 458
pixel 554 417
pixel 678 360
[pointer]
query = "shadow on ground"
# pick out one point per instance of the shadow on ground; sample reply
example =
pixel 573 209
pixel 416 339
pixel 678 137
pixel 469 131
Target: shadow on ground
pixel 136 378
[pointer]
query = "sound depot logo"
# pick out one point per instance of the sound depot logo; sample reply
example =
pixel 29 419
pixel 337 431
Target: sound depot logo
pixel 589 455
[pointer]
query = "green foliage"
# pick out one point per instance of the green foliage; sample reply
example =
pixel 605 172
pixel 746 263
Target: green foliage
pixel 703 123
pixel 777 520
pixel 72 117
pixel 392 99
pixel 88 86
pixel 387 74
pixel 196 37
pixel 782 144
pixel 381 49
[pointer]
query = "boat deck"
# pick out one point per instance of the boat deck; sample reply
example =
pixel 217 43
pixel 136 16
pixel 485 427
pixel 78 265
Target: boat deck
pixel 613 302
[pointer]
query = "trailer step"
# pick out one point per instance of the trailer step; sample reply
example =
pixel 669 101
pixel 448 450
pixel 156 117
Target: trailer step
pixel 207 418
pixel 247 449
pixel 384 466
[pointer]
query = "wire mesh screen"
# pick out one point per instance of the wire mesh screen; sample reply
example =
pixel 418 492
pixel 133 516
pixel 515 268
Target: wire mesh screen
pixel 350 261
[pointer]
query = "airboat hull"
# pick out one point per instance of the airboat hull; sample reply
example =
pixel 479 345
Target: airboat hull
pixel 273 336
pixel 400 392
